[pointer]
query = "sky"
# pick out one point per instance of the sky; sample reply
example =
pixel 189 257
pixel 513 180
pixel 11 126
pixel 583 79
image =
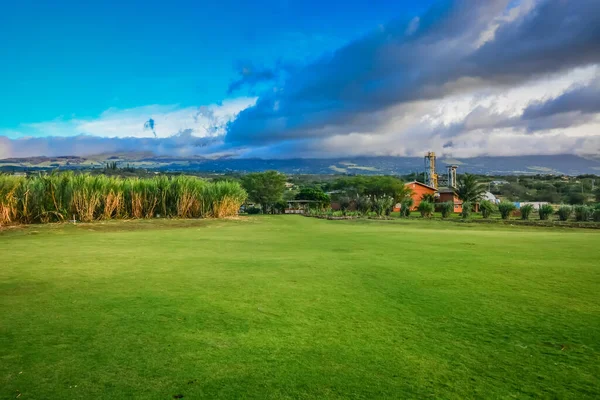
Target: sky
pixel 286 78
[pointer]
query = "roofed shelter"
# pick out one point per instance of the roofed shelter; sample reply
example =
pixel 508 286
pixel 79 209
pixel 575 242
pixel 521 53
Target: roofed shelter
pixel 299 206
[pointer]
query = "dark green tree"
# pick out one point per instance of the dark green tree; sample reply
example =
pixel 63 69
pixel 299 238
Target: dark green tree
pixel 469 189
pixel 373 187
pixel 264 188
pixel 314 194
pixel 576 198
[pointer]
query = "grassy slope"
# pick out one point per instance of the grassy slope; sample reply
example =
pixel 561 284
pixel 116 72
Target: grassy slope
pixel 292 307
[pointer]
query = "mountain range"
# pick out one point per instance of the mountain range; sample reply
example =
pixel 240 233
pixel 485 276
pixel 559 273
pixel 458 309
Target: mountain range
pixel 538 164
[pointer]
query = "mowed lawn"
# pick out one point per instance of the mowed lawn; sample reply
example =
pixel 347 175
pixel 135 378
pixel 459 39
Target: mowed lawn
pixel 294 307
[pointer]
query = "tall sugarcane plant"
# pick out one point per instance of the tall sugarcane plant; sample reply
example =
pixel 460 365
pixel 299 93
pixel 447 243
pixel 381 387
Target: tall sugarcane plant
pixel 58 197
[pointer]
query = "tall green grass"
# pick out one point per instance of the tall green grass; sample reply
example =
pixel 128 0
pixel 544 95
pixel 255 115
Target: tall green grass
pixel 59 197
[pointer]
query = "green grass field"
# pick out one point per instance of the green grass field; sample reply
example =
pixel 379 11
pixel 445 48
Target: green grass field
pixel 294 307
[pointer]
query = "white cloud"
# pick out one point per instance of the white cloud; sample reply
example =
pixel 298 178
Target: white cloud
pixel 482 121
pixel 115 123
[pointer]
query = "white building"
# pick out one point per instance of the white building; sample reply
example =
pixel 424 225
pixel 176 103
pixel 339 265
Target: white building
pixel 490 197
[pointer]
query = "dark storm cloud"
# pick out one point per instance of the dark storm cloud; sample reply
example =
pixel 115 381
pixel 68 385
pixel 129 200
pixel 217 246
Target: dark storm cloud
pixel 555 35
pixel 423 59
pixel 581 100
pixel 575 107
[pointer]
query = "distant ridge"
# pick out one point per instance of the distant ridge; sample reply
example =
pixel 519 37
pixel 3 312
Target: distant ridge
pixel 565 164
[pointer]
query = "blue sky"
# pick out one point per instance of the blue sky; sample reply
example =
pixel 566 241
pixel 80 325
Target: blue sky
pixel 300 78
pixel 72 58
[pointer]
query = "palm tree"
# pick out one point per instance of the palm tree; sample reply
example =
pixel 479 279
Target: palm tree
pixel 428 197
pixel 468 189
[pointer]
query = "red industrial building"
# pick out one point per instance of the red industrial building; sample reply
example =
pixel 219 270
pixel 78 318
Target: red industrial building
pixel 447 194
pixel 418 190
pixel 442 195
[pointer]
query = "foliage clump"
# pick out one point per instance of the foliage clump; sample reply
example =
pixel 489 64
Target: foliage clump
pixel 526 211
pixel 446 208
pixel 487 208
pixel 363 204
pixel 467 208
pixel 545 211
pixel 426 209
pixel 506 208
pixel 596 213
pixel 564 212
pixel 582 213
pixel 345 203
pixel 405 207
pixel 383 205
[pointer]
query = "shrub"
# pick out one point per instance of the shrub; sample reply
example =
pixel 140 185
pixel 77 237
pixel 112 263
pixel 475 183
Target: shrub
pixel 253 210
pixel 426 209
pixel 344 203
pixel 447 208
pixel 428 197
pixel 582 213
pixel 316 212
pixel 487 208
pixel 596 215
pixel 545 211
pixel 466 210
pixel 405 206
pixel 363 204
pixel 280 206
pixel 526 211
pixel 383 205
pixel 564 212
pixel 505 208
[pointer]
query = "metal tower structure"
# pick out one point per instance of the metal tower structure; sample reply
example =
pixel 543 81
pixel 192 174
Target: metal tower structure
pixel 431 178
pixel 452 175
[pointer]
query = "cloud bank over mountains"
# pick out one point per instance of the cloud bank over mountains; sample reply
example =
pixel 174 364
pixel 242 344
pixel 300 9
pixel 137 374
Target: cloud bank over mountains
pixel 174 131
pixel 468 78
